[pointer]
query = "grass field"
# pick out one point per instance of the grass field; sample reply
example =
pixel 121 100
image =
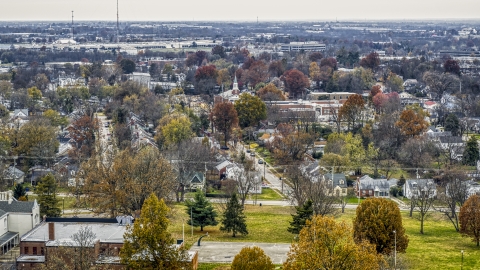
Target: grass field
pixel 439 248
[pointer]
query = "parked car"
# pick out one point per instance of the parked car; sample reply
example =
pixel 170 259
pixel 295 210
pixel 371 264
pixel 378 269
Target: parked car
pixel 248 150
pixel 252 154
pixel 260 161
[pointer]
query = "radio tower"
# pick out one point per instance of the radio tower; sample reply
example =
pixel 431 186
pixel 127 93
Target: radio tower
pixel 117 21
pixel 73 35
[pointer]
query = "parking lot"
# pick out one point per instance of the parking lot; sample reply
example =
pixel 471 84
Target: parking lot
pixel 226 251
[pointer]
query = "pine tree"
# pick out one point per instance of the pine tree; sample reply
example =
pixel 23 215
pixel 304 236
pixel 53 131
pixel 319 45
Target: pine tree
pixel 234 218
pixel 19 191
pixel 148 244
pixel 202 211
pixel 47 196
pixel 471 153
pixel 304 213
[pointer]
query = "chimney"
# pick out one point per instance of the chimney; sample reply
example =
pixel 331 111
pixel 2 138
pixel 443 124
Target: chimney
pixel 10 196
pixel 51 231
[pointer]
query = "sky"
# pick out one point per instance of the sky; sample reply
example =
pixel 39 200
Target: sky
pixel 245 10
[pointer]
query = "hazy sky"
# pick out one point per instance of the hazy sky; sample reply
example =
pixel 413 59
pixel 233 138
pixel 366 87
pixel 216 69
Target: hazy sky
pixel 245 10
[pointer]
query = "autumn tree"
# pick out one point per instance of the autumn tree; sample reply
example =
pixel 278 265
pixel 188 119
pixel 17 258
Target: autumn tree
pixel 470 218
pixel 250 110
pixel 148 244
pixel 252 258
pixel 304 213
pixel 224 117
pixel 120 183
pixel 295 83
pixel 174 128
pixel 201 210
pixel 352 111
pixel 394 83
pixel 412 123
pixel 326 244
pixel 315 73
pixel 54 117
pixel 276 68
pixel 219 50
pixel 291 145
pixel 452 66
pixel 379 221
pixel 82 131
pixel 233 219
pixel 471 153
pixel 440 83
pixel 36 139
pixel 371 61
pixel 270 93
pixel 205 79
pixel 47 196
pixel 257 73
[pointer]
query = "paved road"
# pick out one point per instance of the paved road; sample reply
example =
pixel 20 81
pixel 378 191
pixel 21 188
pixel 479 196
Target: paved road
pixel 226 251
pixel 266 170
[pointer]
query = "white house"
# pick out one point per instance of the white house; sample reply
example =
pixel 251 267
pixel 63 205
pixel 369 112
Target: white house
pixel 16 219
pixel 238 173
pixel 417 187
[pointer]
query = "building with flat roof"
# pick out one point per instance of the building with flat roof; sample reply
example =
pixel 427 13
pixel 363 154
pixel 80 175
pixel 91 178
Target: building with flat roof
pixel 310 46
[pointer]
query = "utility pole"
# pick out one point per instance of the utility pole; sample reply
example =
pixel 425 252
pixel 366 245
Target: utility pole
pixel 117 21
pixel 73 34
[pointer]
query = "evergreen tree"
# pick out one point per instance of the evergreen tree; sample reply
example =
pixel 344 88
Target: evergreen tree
pixel 471 153
pixel 19 191
pixel 234 218
pixel 401 181
pixel 201 211
pixel 47 196
pixel 148 244
pixel 452 124
pixel 304 213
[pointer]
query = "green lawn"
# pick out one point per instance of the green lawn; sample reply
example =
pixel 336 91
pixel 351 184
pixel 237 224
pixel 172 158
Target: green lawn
pixel 269 194
pixel 264 223
pixel 439 248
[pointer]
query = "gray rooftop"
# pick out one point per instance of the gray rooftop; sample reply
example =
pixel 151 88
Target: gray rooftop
pixel 105 232
pixel 17 206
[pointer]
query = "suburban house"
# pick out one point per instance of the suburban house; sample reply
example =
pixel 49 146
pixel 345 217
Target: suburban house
pixel 237 172
pixel 366 186
pixel 13 175
pixel 417 187
pixel 339 183
pixel 453 145
pixel 337 187
pixel 18 218
pixel 197 181
pixel 39 244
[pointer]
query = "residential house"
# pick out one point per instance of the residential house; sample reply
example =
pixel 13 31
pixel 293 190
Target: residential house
pixel 18 218
pixel 369 187
pixel 141 78
pixel 38 172
pixel 417 187
pixel 197 181
pixel 13 175
pixel 339 183
pixel 452 145
pixel 237 172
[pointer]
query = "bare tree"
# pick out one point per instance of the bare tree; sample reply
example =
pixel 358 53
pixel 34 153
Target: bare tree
pixel 454 193
pixel 187 158
pixel 246 180
pixel 424 196
pixel 308 187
